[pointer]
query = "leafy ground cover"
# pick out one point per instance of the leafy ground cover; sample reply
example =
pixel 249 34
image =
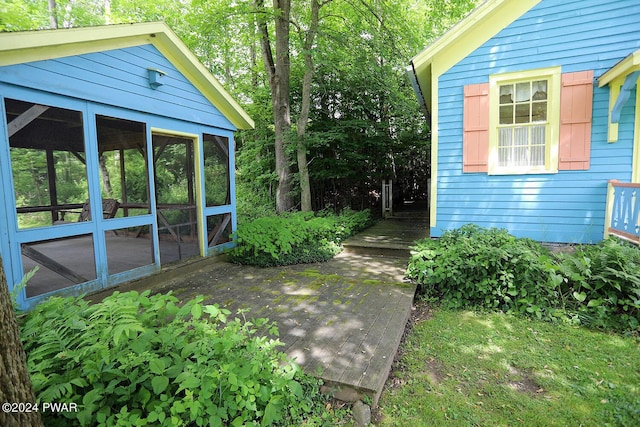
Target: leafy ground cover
pixel 495 369
pixel 489 269
pixel 141 359
pixel 296 238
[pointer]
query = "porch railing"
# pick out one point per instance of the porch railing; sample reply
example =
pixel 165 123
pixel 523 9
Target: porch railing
pixel 623 206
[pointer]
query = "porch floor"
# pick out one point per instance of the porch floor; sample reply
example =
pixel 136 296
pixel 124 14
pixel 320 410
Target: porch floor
pixel 123 254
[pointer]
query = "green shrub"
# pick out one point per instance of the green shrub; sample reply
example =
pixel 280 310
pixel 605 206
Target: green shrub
pixel 601 285
pixel 350 222
pixel 472 267
pixel 295 238
pixel 141 359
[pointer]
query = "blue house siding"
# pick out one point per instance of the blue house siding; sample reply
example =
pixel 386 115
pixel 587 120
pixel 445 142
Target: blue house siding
pixel 119 77
pixel 114 83
pixel 12 237
pixel 568 206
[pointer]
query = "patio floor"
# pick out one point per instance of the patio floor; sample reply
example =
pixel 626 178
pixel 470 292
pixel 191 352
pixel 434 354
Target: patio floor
pixel 342 320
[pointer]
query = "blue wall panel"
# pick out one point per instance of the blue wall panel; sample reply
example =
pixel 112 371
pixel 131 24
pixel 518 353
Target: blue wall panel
pixel 119 77
pixel 568 206
pixel 112 83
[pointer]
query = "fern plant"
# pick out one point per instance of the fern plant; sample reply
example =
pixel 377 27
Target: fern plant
pixel 141 359
pixel 602 284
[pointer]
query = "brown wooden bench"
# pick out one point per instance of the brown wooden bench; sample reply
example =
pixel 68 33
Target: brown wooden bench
pixel 109 210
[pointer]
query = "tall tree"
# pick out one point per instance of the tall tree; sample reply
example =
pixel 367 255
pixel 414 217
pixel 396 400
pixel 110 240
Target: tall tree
pixel 303 118
pixel 355 118
pixel 15 384
pixel 278 72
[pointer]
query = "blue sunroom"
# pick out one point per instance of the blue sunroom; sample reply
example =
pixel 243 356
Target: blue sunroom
pixel 116 157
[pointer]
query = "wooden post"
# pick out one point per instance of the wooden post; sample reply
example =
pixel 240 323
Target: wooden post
pixel 189 156
pixel 53 191
pixel 123 181
pixel 608 212
pixel 387 198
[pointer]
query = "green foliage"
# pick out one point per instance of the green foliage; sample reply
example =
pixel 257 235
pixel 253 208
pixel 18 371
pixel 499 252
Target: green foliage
pixel 473 267
pixel 601 284
pixel 17 289
pixel 141 359
pixel 253 203
pixel 16 15
pixel 294 238
pixel 596 285
pixel 364 124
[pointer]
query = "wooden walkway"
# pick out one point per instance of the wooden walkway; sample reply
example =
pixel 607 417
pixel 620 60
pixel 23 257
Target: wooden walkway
pixel 394 235
pixel 342 320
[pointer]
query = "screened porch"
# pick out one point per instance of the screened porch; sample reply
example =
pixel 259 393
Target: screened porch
pixel 101 199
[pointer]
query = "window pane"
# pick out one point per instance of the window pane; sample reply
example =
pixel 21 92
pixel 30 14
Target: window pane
pixel 521 146
pixel 522 113
pixel 537 145
pixel 521 136
pixel 539 113
pixel 506 94
pixel 523 92
pixel 539 89
pixel 48 162
pixel 504 146
pixel 506 114
pixel 504 136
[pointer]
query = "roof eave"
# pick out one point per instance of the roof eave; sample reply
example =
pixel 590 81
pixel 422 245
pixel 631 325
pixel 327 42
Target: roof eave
pixel 464 37
pixel 626 66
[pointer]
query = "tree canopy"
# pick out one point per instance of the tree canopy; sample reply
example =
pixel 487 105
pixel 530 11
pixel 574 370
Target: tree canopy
pixel 352 118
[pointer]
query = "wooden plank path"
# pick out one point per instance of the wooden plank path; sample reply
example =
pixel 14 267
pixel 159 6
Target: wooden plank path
pixel 342 320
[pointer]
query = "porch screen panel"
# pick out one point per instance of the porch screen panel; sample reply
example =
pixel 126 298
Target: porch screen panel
pixel 48 163
pixel 218 229
pixel 216 170
pixel 174 175
pixel 122 146
pixel 61 263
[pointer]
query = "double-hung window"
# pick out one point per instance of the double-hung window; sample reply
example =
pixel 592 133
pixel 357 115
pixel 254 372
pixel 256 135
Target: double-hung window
pixel 524 118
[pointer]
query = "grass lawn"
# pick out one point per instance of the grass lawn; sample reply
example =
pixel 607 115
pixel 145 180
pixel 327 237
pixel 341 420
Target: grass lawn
pixel 462 368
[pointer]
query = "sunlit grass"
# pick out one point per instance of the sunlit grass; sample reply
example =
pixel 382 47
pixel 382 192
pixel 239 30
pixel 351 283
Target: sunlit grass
pixel 462 368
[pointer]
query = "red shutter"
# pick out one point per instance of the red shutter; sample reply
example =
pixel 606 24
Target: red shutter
pixel 475 151
pixel 576 101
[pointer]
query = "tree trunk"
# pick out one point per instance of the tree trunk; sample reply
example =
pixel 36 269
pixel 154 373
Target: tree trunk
pixel 106 179
pixel 53 20
pixel 301 149
pixel 278 72
pixel 15 385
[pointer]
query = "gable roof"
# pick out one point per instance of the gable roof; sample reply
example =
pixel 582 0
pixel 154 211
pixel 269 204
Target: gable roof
pixel 27 46
pixel 480 25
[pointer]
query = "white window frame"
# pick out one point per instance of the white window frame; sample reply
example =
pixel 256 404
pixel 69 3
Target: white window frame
pixel 552 131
